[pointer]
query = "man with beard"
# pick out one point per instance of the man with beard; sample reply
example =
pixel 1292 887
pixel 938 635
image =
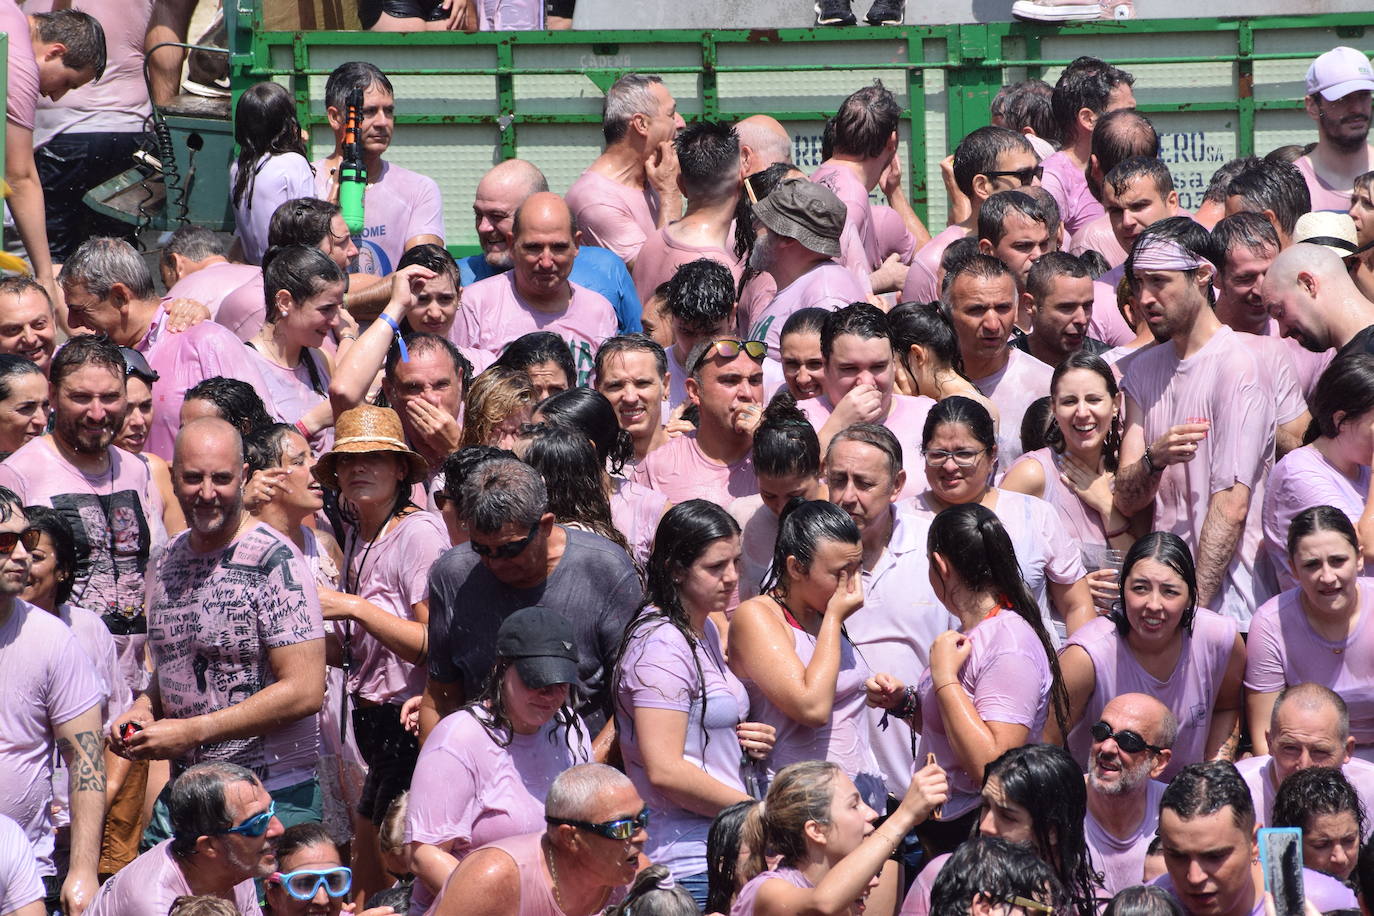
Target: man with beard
pixel 1311 297
pixel 225 826
pixel 1131 748
pixel 237 640
pixel 1339 85
pixel 499 194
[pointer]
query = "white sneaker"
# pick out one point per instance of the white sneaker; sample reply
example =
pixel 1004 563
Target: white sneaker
pixel 1050 11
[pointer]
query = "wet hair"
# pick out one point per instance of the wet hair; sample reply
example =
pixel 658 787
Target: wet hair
pixel 1051 265
pixel 729 830
pixel 803 527
pixel 303 221
pixel 55 525
pixel 708 160
pixel 1035 424
pixel 976 545
pixel 197 805
pixel 865 121
pixel 1140 900
pixel 1123 134
pixel 301 271
pixel 996 870
pixel 979 266
pixel 1090 362
pixel 1094 263
pixel 391 832
pixel 810 320
pixel 1275 186
pixel 424 342
pixel 433 257
pixel 1313 792
pixel 1290 152
pixel 1122 175
pixel 1190 235
pixel 263 446
pixel 958 409
pixel 763 183
pixel 630 343
pixel 589 413
pixel 236 400
pixel 1220 181
pixel 500 492
pixel 875 435
pixel 926 325
pixel 1168 549
pixel 1316 519
pixel 992 216
pixel 1203 789
pixel 978 152
pixel 203 905
pixel 493 396
pixel 302 836
pixel 352 75
pixel 862 319
pixel 195 243
pixel 490 710
pixel 654 893
pixel 785 443
pixel 458 465
pixel 628 96
pixel 1346 386
pixel 1045 780
pixel 1027 104
pixel 529 350
pixel 101 262
pixel 12 367
pixel 1246 229
pixel 81 34
pixel 1085 83
pixel 265 124
pixel 84 350
pixel 1312 696
pixel 573 476
pixel 701 294
pixel 798 793
pixel 1363 878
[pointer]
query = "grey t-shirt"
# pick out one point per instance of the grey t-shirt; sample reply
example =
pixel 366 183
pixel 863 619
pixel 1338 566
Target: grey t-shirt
pixel 594 585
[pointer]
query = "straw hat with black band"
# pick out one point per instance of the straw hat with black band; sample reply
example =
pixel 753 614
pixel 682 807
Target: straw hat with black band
pixel 365 430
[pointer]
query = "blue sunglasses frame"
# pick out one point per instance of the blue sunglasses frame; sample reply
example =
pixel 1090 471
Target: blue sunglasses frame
pixel 321 876
pixel 256 825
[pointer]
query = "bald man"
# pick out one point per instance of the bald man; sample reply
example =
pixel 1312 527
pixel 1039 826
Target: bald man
pixel 1308 291
pixel 236 636
pixel 537 294
pixel 763 141
pixel 1132 746
pixel 499 194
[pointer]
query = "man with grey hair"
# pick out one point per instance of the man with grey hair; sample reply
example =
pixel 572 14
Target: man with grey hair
pixel 630 191
pixel 1309 726
pixel 109 290
pixel 195 265
pixel 596 834
pixel 1131 748
pixel 517 557
pixel 225 825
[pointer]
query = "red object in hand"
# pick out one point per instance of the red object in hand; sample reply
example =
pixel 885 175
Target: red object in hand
pixel 129 729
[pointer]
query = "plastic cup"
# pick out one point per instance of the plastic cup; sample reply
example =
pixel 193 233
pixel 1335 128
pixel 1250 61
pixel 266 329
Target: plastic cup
pixel 1200 420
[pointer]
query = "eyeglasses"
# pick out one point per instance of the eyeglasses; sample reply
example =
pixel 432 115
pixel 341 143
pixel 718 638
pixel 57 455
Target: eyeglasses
pixel 255 825
pixel 442 499
pixel 1026 176
pixel 1127 740
pixel 729 348
pixel 304 883
pixel 29 537
pixel 1027 903
pixel 620 829
pixel 508 550
pixel 964 458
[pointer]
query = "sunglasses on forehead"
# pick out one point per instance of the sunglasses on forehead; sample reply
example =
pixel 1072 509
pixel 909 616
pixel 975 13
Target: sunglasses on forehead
pixel 729 348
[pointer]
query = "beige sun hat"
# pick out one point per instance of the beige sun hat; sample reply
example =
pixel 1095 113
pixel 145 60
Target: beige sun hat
pixel 1329 229
pixel 363 430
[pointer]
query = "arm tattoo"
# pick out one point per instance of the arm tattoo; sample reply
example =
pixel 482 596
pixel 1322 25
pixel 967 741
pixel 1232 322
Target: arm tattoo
pixel 1135 487
pixel 85 760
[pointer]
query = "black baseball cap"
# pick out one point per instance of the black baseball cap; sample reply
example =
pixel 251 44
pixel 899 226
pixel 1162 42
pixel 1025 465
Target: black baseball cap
pixel 540 642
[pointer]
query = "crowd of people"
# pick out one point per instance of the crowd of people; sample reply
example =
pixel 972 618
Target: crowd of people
pixel 717 540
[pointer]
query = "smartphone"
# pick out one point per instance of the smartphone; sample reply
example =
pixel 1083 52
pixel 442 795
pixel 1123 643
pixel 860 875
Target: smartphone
pixel 1281 859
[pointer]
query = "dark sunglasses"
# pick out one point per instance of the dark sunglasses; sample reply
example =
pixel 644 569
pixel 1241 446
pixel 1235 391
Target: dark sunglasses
pixel 256 825
pixel 442 499
pixel 1127 740
pixel 135 364
pixel 29 537
pixel 621 829
pixel 508 550
pixel 1025 176
pixel 729 348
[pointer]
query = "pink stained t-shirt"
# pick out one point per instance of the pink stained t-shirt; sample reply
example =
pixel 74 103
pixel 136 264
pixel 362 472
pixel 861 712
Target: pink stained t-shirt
pixel 1222 382
pixel 392 572
pixel 46 680
pixel 276 179
pixel 1069 187
pixel 1013 388
pixel 1106 323
pixel 758 533
pixel 510 15
pixel 893 631
pixel 1301 479
pixel 1097 235
pixel 292 393
pixel 827 285
pixel 213 619
pixel 906 418
pixel 661 255
pixel 244 310
pixel 1284 650
pixel 1008 677
pixel 1279 374
pixel 613 215
pixel 893 235
pixel 19 881
pixel 658 670
pixel 922 280
pixel 1325 893
pixel 494 314
pixel 210 285
pixel 840 179
pixel 1258 773
pixel 680 471
pixel 743 904
pixel 148 885
pixel 469 791
pixel 1082 523
pixel 397 207
pixel 917 901
pixel 1191 690
pixel 635 511
pixel 21 100
pixel 1324 196
pixel 184 359
pixel 1122 859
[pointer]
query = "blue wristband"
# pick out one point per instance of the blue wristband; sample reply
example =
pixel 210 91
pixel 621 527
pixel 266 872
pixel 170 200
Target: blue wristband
pixel 400 341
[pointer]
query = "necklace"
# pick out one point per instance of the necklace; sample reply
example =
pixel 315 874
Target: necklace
pixel 553 873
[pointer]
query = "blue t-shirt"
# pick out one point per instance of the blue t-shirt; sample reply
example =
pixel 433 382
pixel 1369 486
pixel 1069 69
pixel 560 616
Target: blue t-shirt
pixel 598 269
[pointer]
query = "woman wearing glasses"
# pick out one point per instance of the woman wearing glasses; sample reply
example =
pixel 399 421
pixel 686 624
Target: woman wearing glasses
pixel 680 712
pixel 496 405
pixel 960 448
pixel 310 877
pixel 1160 644
pixel 485 770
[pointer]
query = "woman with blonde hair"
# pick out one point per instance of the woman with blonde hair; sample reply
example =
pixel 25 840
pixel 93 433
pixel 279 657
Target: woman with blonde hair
pixel 497 404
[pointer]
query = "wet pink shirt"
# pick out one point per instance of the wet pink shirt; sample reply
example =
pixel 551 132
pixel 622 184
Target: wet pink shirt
pixel 1279 375
pixel 917 902
pixel 243 310
pixel 922 284
pixel 661 256
pixel 1013 388
pixel 906 418
pixel 744 900
pixel 1222 381
pixel 210 285
pixel 613 215
pixel 149 885
pixel 681 472
pixel 1106 323
pixel 636 511
pixel 276 179
pixel 1069 187
pixel 1082 523
pixel 893 235
pixel 1122 859
pixel 827 285
pixel 758 533
pixel 398 206
pixel 1258 773
pixel 1324 197
pixel 879 236
pixel 21 100
pixel 1304 478
pixel 19 881
pixel 1097 235
pixel 494 314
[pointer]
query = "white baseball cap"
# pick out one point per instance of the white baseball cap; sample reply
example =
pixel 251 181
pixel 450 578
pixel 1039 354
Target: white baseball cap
pixel 1339 72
